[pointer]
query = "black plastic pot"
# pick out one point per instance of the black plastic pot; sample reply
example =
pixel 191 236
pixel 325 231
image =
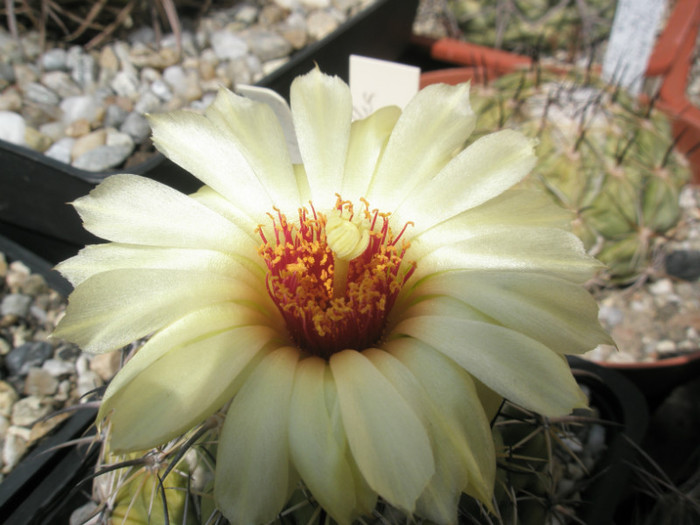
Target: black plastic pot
pixel 34 189
pixel 621 403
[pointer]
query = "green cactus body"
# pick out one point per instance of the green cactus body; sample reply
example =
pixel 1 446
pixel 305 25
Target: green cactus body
pixel 601 155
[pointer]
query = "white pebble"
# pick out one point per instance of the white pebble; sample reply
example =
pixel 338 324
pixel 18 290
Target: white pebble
pixel 12 127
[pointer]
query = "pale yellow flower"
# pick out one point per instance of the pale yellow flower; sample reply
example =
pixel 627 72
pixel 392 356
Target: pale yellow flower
pixel 352 309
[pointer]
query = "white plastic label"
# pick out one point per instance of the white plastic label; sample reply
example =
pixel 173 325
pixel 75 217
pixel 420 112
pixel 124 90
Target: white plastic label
pixel 631 40
pixel 377 83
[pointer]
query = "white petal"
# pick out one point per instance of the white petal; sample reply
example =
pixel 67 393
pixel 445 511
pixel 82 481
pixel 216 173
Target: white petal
pixel 464 448
pixel 113 308
pixel 368 137
pixel 318 453
pixel 202 148
pixel 254 130
pixel 137 210
pixel 181 387
pixel 432 127
pixel 559 314
pixel 252 465
pixel 481 172
pixel 322 111
pixel 112 256
pixel 544 250
pixel 517 367
pixel 387 439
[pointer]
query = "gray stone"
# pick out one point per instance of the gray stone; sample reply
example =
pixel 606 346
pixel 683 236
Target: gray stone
pixel 61 150
pixel 137 127
pixel 321 24
pixel 148 102
pixel 267 45
pixel 7 72
pixel 80 107
pixel 15 304
pixel 54 59
pixel 58 367
pixel 22 358
pixel 125 84
pixel 84 71
pixel 40 94
pixel 228 46
pixel 102 158
pixel 12 127
pixel 14 447
pixel 161 90
pixel 39 382
pixel 28 409
pixel 114 116
pixel 8 397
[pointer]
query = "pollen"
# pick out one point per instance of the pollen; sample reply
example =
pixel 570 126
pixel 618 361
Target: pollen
pixel 334 276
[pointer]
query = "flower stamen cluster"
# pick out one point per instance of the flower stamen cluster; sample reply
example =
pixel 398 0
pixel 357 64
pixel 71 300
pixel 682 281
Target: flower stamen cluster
pixel 335 277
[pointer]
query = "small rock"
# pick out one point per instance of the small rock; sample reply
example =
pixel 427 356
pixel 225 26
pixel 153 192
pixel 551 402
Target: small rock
pixel 88 143
pixel 36 140
pixel 15 304
pixel 8 397
pixel 684 264
pixel 17 275
pixel 267 45
pixel 10 100
pixel 22 358
pixel 13 449
pixel 115 116
pixel 82 107
pixel 228 46
pixel 661 287
pixel 84 70
pixel 87 382
pixel 29 409
pixel 58 367
pixel 54 59
pixel 102 158
pixel 40 94
pixel 125 84
pixel 61 150
pixel 39 383
pixel 148 102
pixel 12 127
pixel 137 127
pixel 85 515
pixel 61 83
pixel 106 365
pixel 321 24
pixel 78 128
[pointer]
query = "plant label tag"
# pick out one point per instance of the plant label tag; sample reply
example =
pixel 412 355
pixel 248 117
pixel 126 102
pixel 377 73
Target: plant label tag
pixel 377 83
pixel 631 41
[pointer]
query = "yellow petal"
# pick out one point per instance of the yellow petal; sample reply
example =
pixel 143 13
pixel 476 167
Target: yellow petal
pixel 559 314
pixel 517 367
pixel 481 172
pixel 368 137
pixel 253 129
pixel 137 210
pixel 387 439
pixel 316 450
pixel 199 146
pixel 114 308
pixel 465 435
pixel 252 465
pixel 322 112
pixel 167 398
pixel 99 258
pixel 432 127
pixel 543 250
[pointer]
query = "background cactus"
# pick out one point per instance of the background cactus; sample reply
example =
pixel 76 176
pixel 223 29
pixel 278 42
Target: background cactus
pixel 601 155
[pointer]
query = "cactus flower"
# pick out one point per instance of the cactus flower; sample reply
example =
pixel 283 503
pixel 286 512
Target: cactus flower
pixel 352 314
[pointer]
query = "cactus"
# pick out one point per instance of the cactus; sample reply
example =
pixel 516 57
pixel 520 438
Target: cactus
pixel 602 155
pixel 521 26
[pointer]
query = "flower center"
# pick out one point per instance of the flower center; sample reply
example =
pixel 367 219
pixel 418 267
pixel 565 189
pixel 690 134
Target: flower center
pixel 336 276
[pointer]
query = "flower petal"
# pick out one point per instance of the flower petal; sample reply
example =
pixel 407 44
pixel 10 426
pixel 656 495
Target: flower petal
pixel 99 258
pixel 463 442
pixel 252 465
pixel 383 431
pixel 434 124
pixel 137 210
pixel 318 452
pixel 198 145
pixel 517 367
pixel 253 129
pixel 113 308
pixel 544 250
pixel 368 137
pixel 479 173
pixel 559 314
pixel 322 112
pixel 168 393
